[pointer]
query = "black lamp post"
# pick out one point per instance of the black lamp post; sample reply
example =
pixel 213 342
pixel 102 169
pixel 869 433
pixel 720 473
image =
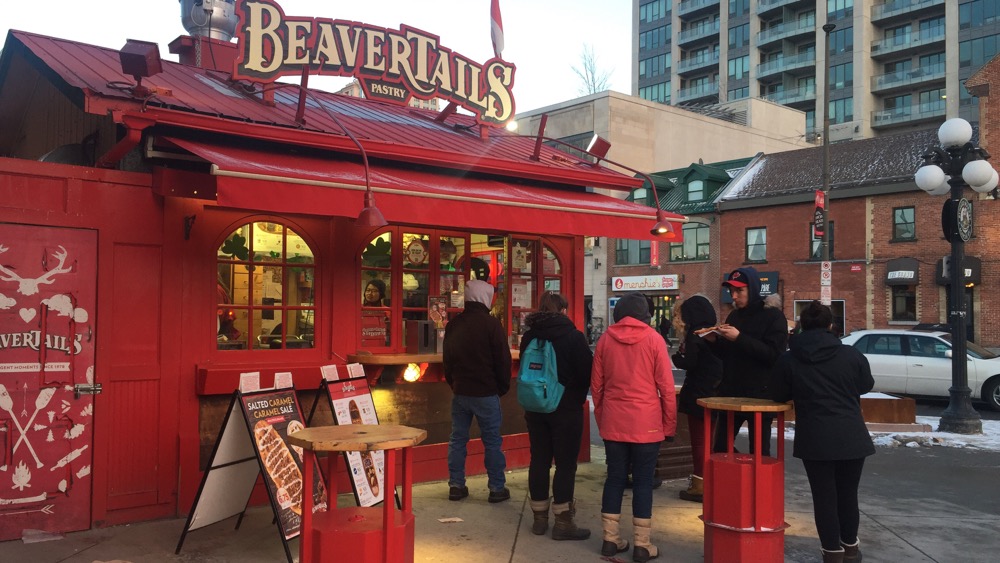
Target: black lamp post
pixel 825 248
pixel 949 169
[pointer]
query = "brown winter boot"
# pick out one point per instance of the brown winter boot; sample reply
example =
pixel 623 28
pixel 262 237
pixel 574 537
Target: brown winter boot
pixel 852 552
pixel 565 528
pixel 540 508
pixel 643 550
pixel 613 542
pixel 695 492
pixel 833 556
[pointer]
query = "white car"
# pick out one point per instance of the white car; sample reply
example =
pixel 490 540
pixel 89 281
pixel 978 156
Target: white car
pixel 915 362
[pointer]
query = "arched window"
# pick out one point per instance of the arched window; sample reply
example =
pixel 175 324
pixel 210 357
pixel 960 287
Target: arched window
pixel 265 289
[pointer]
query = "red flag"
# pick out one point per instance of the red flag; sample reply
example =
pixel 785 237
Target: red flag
pixel 819 215
pixel 496 27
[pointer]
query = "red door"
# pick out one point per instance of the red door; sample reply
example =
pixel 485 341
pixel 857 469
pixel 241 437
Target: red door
pixel 47 307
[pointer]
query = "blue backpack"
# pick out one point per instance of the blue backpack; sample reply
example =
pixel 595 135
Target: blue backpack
pixel 538 387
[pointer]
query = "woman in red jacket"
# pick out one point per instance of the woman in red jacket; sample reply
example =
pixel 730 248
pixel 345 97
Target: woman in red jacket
pixel 633 391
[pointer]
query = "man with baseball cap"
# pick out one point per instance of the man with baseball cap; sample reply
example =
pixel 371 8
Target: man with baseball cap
pixel 749 345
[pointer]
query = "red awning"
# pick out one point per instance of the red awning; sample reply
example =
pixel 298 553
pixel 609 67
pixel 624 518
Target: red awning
pixel 288 183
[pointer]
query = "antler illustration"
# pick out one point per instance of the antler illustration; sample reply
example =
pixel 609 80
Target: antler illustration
pixel 29 286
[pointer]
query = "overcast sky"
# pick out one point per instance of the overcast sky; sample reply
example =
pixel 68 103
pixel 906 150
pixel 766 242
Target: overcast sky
pixel 544 38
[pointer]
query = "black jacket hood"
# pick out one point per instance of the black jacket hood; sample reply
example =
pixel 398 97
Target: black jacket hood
pixel 814 346
pixel 697 312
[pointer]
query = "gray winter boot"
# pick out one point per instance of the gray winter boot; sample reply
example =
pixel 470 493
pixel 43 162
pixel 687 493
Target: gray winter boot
pixel 540 508
pixel 565 528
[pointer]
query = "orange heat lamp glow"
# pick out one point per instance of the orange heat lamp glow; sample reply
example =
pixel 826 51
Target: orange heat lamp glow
pixel 412 373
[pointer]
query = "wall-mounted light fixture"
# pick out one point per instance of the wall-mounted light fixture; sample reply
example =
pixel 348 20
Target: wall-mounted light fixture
pixel 597 264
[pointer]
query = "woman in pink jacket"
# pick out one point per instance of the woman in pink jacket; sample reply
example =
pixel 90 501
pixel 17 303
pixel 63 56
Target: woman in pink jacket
pixel 633 392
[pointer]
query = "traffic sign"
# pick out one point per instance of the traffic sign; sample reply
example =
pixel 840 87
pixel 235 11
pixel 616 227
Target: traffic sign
pixel 826 295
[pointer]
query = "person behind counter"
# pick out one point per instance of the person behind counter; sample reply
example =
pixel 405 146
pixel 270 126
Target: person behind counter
pixel 826 379
pixel 556 436
pixel 477 366
pixel 703 371
pixel 632 386
pixel 374 293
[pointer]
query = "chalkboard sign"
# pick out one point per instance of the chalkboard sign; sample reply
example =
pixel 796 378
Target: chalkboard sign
pixel 253 441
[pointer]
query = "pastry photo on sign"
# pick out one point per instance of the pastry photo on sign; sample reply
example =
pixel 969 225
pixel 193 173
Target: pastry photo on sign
pixel 280 465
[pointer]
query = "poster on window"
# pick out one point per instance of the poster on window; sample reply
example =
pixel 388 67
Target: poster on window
pixel 437 311
pixel 351 402
pixel 374 328
pixel 520 295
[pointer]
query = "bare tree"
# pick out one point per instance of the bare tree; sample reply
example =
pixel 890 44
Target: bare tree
pixel 593 79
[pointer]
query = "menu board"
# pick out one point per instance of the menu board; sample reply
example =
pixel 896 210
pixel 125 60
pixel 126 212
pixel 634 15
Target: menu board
pixel 351 401
pixel 253 440
pixel 270 417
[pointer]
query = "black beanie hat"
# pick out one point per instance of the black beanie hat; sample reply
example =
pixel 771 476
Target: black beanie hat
pixel 633 305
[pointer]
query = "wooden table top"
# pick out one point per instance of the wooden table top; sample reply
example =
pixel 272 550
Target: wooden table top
pixel 369 359
pixel 357 437
pixel 743 404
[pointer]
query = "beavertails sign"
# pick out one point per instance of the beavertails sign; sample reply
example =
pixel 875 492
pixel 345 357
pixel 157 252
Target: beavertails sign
pixel 392 65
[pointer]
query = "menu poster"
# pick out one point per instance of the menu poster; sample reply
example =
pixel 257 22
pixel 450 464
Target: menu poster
pixel 437 311
pixel 271 416
pixel 351 401
pixel 374 328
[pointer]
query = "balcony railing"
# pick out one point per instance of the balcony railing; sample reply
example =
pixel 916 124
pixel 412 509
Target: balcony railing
pixel 908 41
pixel 693 63
pixel 919 112
pixel 902 78
pixel 785 64
pixel 699 91
pixel 768 5
pixel 692 5
pixel 785 30
pixel 698 32
pixel 901 7
pixel 803 94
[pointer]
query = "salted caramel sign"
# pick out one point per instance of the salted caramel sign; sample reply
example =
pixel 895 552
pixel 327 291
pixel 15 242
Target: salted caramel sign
pixel 392 65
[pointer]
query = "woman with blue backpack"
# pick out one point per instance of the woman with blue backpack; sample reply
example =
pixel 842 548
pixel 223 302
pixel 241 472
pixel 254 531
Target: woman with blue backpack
pixel 554 435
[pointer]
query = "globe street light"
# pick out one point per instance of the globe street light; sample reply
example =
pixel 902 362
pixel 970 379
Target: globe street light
pixel 950 168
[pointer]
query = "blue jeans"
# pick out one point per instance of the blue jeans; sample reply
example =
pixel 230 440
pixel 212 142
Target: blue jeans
pixel 642 458
pixel 487 413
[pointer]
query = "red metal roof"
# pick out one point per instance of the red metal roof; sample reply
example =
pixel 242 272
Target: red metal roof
pixel 386 130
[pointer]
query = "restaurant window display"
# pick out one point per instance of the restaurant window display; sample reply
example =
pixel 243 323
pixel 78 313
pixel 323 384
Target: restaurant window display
pixel 265 289
pixel 424 273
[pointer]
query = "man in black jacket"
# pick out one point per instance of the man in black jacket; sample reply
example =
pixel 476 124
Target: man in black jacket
pixel 749 345
pixel 477 366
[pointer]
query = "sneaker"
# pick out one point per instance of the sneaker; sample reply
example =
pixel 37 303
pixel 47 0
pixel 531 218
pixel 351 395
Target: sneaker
pixel 499 496
pixel 458 493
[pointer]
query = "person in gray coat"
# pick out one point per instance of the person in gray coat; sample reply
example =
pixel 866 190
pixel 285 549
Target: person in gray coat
pixel 826 379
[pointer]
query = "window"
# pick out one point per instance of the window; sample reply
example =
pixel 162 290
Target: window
pixel 696 190
pixel 739 36
pixel 978 13
pixel 655 10
pixel 654 66
pixel 656 92
pixel 839 9
pixel 738 94
pixel 932 62
pixel 756 246
pixel 264 288
pixel 842 76
pixel 927 347
pixel 816 243
pixel 631 252
pixel 739 67
pixel 654 38
pixel 695 246
pixel 842 111
pixel 885 344
pixel 904 226
pixel 904 303
pixel 897 36
pixel 738 7
pixel 976 52
pixel 931 27
pixel 899 104
pixel 932 100
pixel 842 41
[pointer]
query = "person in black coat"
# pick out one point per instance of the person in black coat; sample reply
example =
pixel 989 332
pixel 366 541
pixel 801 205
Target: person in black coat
pixel 826 379
pixel 557 435
pixel 749 344
pixel 703 371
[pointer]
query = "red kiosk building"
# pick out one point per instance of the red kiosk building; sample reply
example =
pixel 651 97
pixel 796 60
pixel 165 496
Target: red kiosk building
pixel 167 226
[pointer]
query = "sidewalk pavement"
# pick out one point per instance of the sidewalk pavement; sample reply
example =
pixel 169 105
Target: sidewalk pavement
pixel 918 504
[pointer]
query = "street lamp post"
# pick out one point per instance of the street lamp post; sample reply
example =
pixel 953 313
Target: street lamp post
pixel 825 241
pixel 949 169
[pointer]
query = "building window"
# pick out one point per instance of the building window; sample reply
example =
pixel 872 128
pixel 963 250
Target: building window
pixel 739 67
pixel 265 279
pixel 904 224
pixel 695 246
pixel 816 243
pixel 738 94
pixel 839 9
pixel 739 7
pixel 842 111
pixel 655 10
pixel 842 41
pixel 978 13
pixel 756 246
pixel 656 92
pixel 696 190
pixel 842 76
pixel 904 303
pixel 739 36
pixel 976 52
pixel 629 252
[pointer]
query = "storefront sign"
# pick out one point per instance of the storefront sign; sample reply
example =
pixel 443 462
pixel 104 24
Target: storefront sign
pixel 644 283
pixel 391 65
pixel 902 271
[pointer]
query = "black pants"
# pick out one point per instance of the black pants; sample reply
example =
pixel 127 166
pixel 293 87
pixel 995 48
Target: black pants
pixel 554 436
pixel 834 487
pixel 766 420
